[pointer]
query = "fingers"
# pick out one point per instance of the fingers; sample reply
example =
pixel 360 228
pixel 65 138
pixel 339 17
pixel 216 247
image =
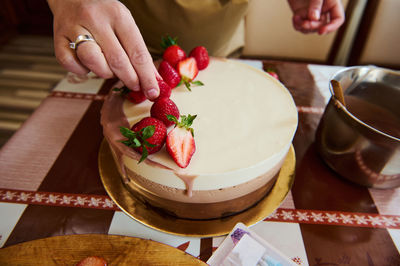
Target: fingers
pixel 90 55
pixel 132 41
pixel 67 57
pixel 337 18
pixel 314 9
pixel 118 50
pixel 307 26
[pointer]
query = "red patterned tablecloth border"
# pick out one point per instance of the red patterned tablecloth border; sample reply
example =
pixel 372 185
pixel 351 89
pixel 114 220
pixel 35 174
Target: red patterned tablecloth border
pixel 354 219
pixel 77 95
pixel 57 199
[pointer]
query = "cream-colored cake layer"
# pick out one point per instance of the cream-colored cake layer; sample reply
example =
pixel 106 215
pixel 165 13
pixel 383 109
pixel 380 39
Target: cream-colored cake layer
pixel 245 124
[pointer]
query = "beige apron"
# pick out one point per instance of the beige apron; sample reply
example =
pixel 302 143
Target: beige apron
pixel 216 24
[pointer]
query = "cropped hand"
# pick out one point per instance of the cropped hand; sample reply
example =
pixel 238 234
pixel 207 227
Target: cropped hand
pixel 118 50
pixel 322 16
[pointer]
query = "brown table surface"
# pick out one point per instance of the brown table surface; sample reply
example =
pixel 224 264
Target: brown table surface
pixel 50 183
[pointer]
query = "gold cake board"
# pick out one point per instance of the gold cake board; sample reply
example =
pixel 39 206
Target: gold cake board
pixel 150 217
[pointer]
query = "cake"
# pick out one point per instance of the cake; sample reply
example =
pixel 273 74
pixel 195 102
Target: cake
pixel 245 124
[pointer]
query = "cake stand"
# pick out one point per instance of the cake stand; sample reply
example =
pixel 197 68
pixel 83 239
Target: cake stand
pixel 150 217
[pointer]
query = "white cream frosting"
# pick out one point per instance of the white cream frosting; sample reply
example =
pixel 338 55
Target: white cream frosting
pixel 245 124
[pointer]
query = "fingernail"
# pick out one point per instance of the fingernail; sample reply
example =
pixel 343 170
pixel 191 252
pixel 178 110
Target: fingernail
pixel 315 14
pixel 152 93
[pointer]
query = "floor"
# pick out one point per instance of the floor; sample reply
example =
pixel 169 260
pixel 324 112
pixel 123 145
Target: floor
pixel 28 73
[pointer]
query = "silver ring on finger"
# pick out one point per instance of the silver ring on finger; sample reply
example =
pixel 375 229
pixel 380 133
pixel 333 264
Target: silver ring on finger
pixel 80 39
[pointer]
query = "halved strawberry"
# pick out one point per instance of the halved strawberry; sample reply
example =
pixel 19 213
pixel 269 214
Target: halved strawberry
pixel 180 141
pixel 163 107
pixel 169 74
pixel 200 53
pixel 133 96
pixel 146 136
pixel 173 53
pixel 92 261
pixel 188 71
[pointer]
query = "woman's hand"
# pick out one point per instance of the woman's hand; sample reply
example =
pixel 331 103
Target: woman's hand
pixel 118 49
pixel 322 16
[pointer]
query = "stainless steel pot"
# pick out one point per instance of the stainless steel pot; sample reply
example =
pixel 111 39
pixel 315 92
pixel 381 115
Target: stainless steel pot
pixel 361 140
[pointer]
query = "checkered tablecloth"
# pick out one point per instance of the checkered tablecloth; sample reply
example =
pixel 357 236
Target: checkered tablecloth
pixel 50 184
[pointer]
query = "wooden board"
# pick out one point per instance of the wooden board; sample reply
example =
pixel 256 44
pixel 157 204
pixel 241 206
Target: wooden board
pixel 116 250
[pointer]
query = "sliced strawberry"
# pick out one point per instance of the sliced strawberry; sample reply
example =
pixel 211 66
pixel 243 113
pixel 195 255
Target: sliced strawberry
pixel 200 53
pixel 188 71
pixel 133 96
pixel 163 107
pixel 165 89
pixel 146 136
pixel 180 141
pixel 169 74
pixel 92 261
pixel 173 53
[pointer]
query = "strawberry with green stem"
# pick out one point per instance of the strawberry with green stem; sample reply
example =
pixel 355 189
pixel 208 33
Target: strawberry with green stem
pixel 162 108
pixel 188 71
pixel 146 136
pixel 173 53
pixel 272 72
pixel 132 96
pixel 180 142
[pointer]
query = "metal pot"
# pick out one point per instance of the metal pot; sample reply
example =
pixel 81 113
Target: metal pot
pixel 361 139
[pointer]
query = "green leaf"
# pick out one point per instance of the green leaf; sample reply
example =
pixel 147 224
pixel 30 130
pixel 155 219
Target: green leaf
pixel 168 41
pixel 123 91
pixel 148 144
pixel 187 121
pixel 126 142
pixel 136 143
pixel 180 83
pixel 145 153
pixel 198 83
pixel 187 84
pixel 126 132
pixel 172 118
pixel 148 131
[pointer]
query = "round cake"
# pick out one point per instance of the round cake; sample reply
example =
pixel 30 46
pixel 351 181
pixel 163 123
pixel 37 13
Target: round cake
pixel 244 127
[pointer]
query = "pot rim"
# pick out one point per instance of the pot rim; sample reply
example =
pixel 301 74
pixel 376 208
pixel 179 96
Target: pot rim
pixel 340 106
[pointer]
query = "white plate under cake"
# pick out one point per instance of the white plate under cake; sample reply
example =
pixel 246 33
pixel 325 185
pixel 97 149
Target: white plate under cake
pixel 244 127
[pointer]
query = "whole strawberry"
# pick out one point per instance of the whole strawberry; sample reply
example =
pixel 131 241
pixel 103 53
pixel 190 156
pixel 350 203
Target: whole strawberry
pixel 188 71
pixel 146 136
pixel 163 107
pixel 169 74
pixel 173 53
pixel 133 96
pixel 92 261
pixel 200 53
pixel 273 73
pixel 180 141
pixel 165 89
